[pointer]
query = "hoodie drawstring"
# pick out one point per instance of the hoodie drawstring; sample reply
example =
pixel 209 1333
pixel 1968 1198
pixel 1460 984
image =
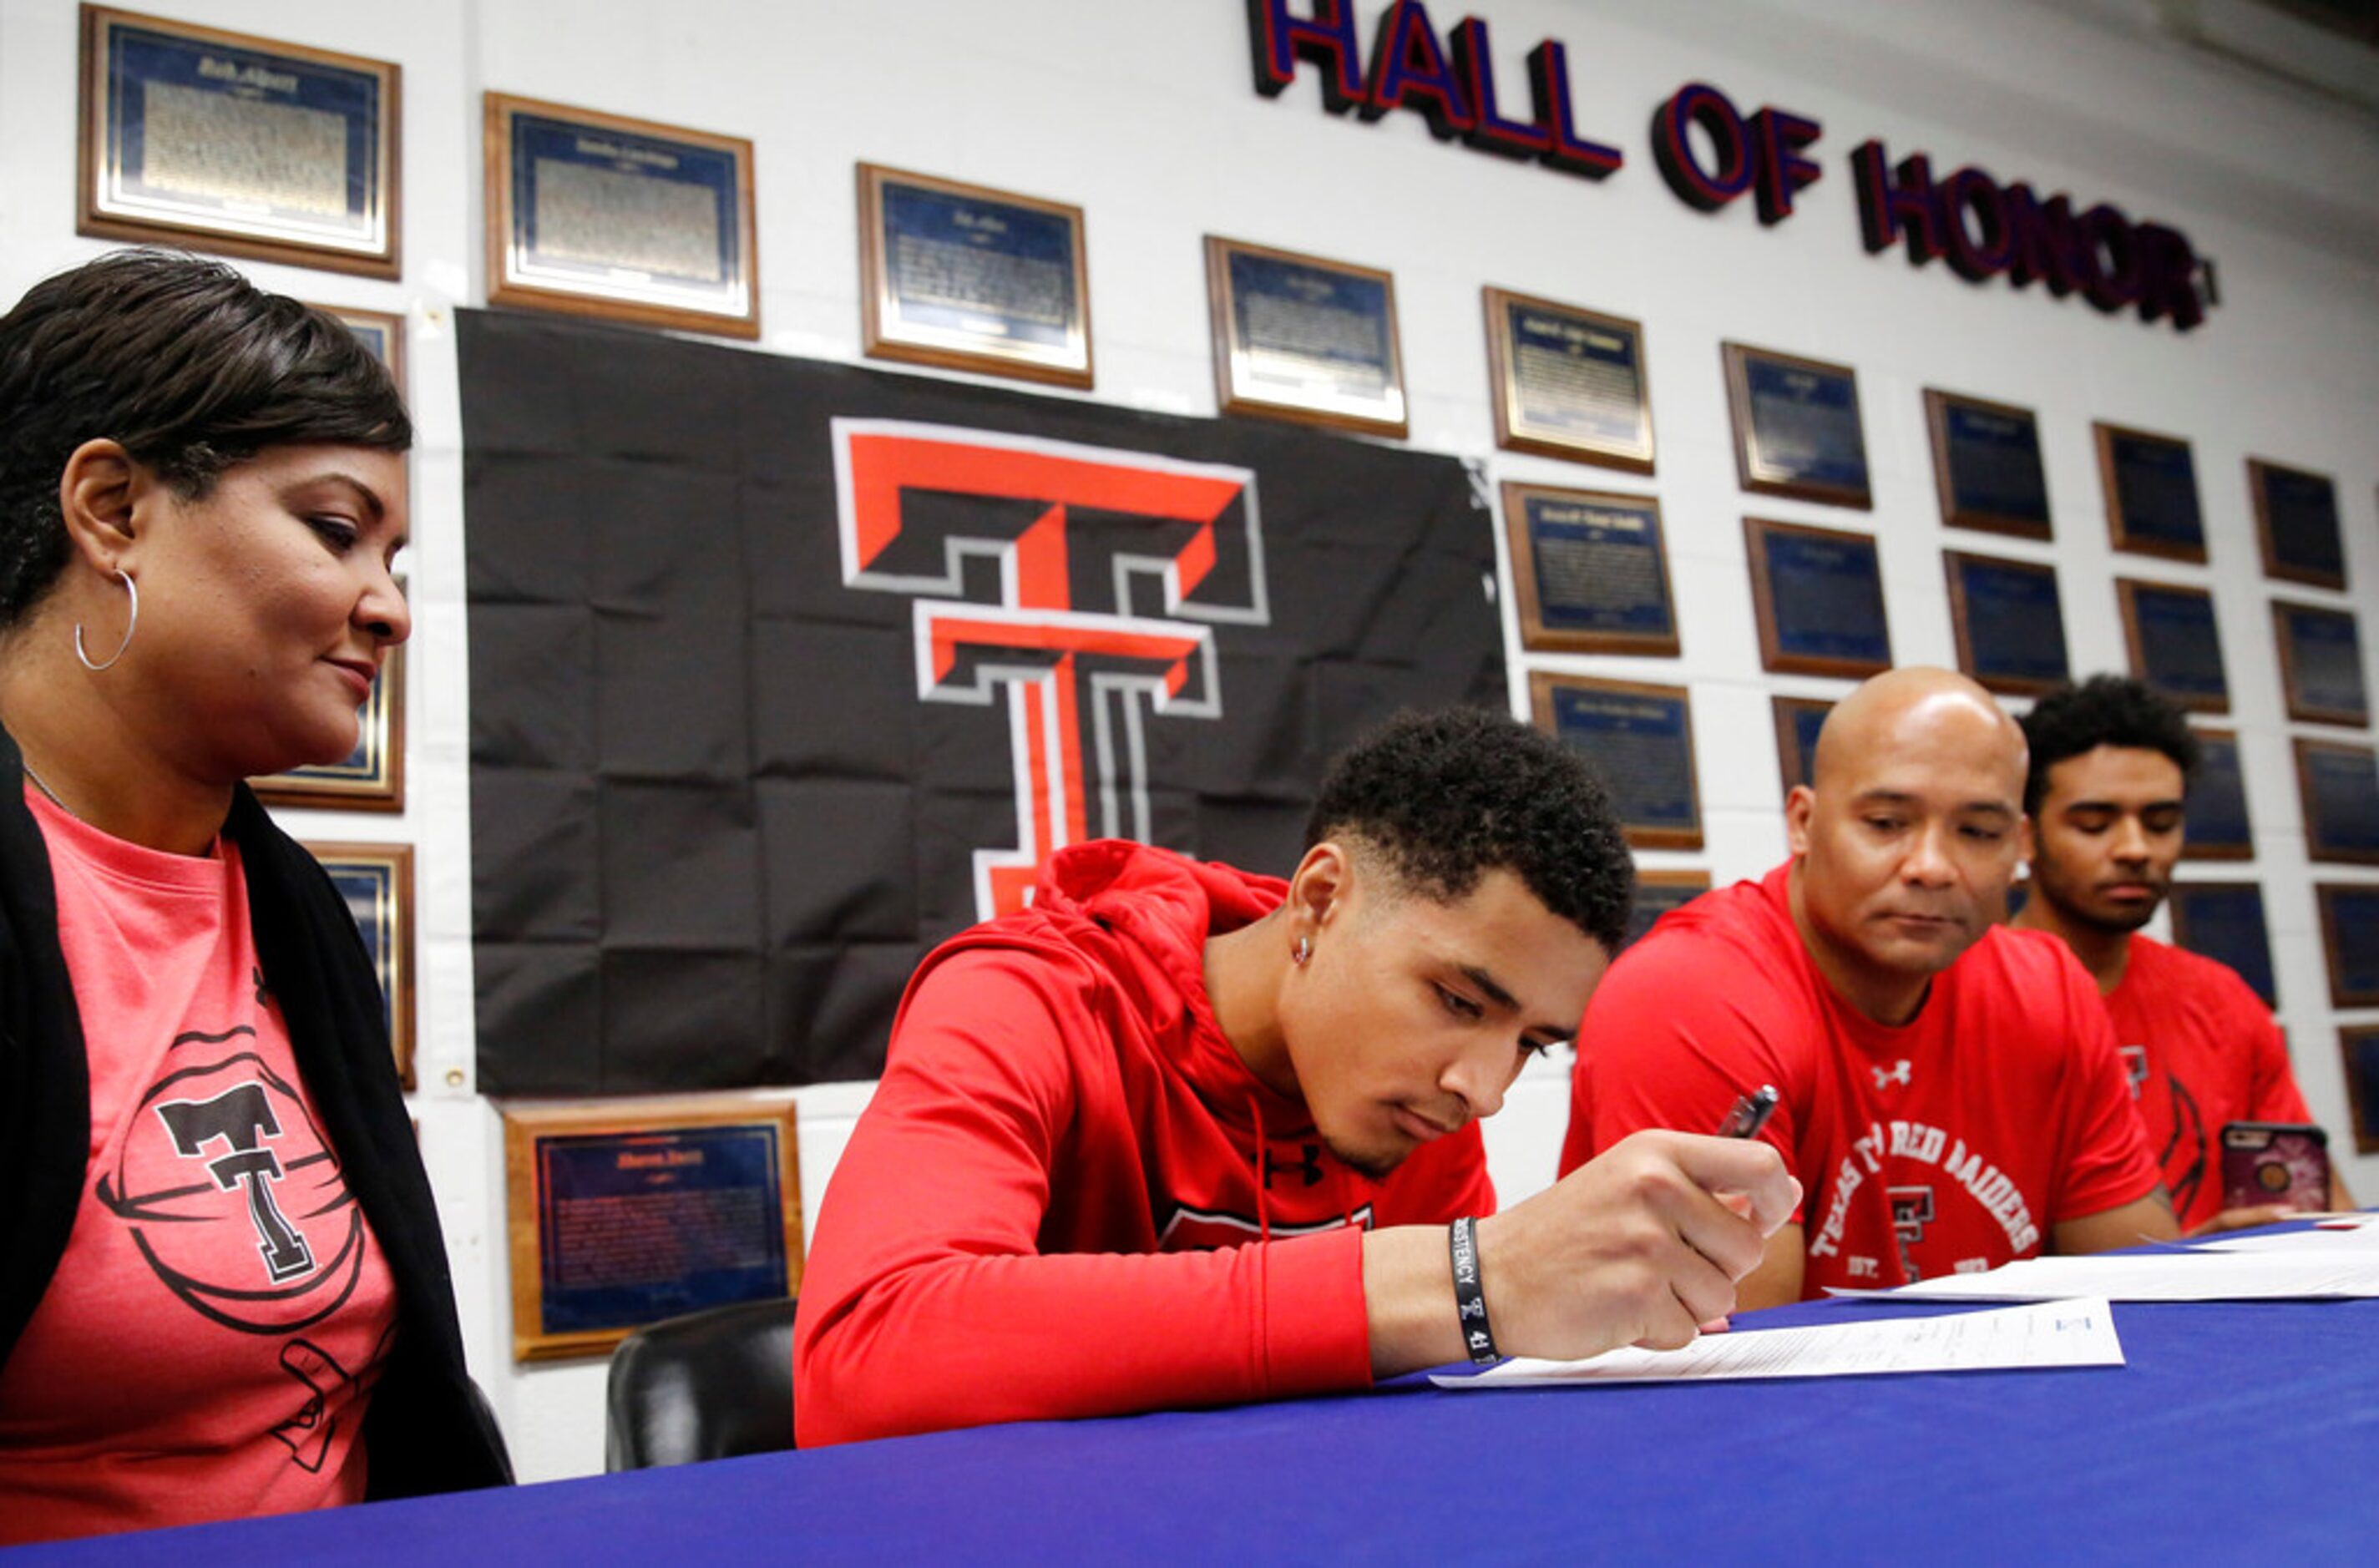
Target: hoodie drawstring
pixel 1263 1188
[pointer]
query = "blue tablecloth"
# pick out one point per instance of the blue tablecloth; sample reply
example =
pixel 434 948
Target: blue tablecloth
pixel 2236 1428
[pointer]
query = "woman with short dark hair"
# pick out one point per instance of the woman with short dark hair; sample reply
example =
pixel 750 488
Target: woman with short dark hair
pixel 223 1288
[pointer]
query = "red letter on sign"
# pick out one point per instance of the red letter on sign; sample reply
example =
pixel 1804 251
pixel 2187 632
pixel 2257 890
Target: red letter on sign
pixel 1408 65
pixel 1489 131
pixel 1782 170
pixel 1889 209
pixel 1327 38
pixel 1698 104
pixel 1549 75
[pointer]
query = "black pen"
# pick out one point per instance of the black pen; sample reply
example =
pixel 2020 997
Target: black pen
pixel 1750 1112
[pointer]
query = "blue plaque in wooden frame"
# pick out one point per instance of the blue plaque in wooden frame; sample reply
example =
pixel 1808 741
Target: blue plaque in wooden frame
pixel 1658 892
pixel 1569 382
pixel 1818 597
pixel 1798 722
pixel 2224 920
pixel 1640 742
pixel 2008 621
pixel 2359 1045
pixel 195 136
pixel 972 279
pixel 622 1212
pixel 596 214
pixel 2219 827
pixel 1591 571
pixel 2338 785
pixel 2175 642
pixel 1298 337
pixel 2151 484
pixel 1796 426
pixel 376 880
pixel 2321 664
pixel 2349 940
pixel 2296 524
pixel 1986 466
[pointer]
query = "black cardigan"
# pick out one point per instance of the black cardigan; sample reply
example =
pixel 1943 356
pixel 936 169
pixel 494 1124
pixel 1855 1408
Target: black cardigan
pixel 426 1430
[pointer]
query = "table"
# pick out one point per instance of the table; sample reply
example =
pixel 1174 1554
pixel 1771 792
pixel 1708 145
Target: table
pixel 2237 1428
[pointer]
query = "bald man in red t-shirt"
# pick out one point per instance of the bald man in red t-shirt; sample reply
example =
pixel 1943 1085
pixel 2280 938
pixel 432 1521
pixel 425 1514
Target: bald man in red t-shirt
pixel 1951 1097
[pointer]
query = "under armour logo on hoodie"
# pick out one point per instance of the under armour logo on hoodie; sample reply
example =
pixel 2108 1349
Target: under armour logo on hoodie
pixel 1310 1167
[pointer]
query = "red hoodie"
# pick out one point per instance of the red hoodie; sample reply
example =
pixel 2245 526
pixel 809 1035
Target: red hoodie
pixel 1051 1207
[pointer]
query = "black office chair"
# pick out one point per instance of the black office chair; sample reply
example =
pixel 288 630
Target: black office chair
pixel 708 1385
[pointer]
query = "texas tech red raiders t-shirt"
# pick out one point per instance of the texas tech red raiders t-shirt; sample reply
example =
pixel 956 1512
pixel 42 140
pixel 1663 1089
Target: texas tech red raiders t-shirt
pixel 205 1347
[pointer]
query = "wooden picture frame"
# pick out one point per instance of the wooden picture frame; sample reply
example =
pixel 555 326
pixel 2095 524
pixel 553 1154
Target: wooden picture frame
pixel 177 122
pixel 963 277
pixel 2322 768
pixel 2144 511
pixel 2163 619
pixel 2220 762
pixel 2358 1047
pixel 561 183
pixel 382 332
pixel 1657 791
pixel 1658 892
pixel 1558 376
pixel 2349 942
pixel 1999 649
pixel 1798 720
pixel 2297 526
pixel 1974 427
pixel 377 882
pixel 1568 547
pixel 577 1173
pixel 1779 448
pixel 1251 289
pixel 1840 638
pixel 2208 938
pixel 2321 690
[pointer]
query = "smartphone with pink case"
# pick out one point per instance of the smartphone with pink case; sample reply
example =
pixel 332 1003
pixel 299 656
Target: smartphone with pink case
pixel 2274 1163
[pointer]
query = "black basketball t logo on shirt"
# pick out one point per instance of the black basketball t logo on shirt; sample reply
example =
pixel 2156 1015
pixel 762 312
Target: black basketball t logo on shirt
pixel 240 1118
pixel 220 1140
pixel 1912 1210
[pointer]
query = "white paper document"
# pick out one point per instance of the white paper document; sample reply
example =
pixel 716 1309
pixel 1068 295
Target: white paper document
pixel 2056 1333
pixel 2326 1237
pixel 2176 1274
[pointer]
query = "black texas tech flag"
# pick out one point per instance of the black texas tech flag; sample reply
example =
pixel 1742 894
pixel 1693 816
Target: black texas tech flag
pixel 783 671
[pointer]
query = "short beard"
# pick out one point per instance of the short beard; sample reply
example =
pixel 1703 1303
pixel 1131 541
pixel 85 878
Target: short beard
pixel 2120 925
pixel 1371 1168
pixel 2125 924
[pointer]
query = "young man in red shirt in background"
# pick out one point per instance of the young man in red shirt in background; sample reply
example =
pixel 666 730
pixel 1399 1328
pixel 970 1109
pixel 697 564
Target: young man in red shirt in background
pixel 2108 794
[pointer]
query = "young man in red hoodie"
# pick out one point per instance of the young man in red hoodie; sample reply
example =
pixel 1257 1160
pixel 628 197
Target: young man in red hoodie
pixel 1179 1134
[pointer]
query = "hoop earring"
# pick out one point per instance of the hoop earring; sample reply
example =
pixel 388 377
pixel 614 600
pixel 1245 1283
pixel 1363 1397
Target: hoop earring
pixel 1302 951
pixel 131 623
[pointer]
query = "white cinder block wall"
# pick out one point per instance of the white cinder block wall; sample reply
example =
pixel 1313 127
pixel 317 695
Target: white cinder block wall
pixel 1145 116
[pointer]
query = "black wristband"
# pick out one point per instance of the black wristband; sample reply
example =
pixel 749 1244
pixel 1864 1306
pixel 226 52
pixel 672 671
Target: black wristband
pixel 1469 1298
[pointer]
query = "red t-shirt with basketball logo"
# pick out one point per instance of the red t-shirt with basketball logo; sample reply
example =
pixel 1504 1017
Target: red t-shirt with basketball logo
pixel 2202 1050
pixel 1951 1143
pixel 205 1348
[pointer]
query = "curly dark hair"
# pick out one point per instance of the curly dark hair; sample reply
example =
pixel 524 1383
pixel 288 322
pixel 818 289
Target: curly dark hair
pixel 2105 710
pixel 189 366
pixel 1447 796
